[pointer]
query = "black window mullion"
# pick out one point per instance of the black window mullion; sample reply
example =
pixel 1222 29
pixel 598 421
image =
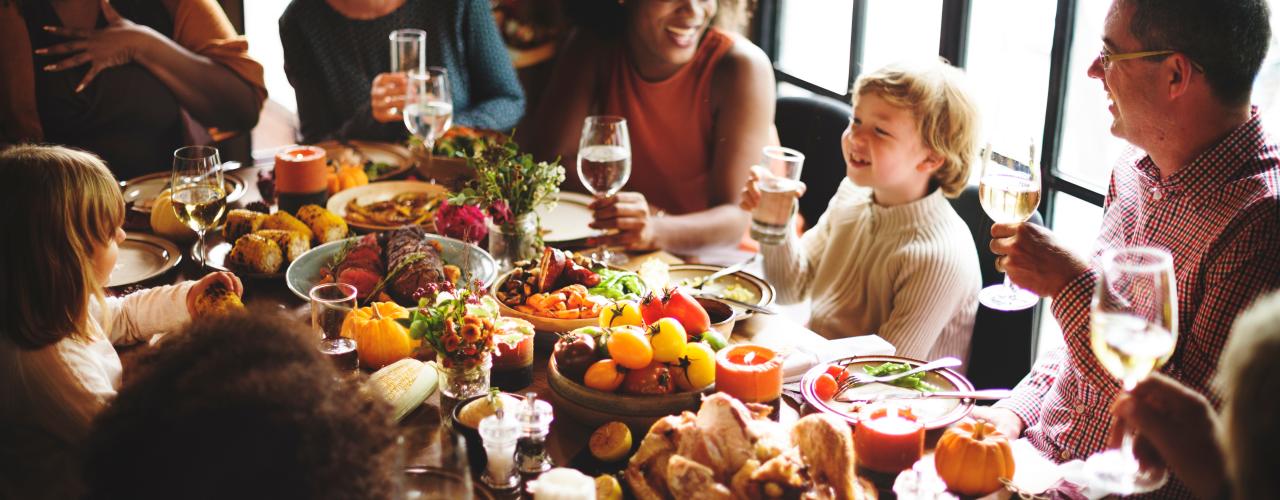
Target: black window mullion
pixel 1055 109
pixel 783 76
pixel 953 39
pixel 767 28
pixel 856 40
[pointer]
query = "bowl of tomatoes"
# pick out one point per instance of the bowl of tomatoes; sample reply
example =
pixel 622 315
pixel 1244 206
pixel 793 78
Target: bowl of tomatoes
pixel 645 360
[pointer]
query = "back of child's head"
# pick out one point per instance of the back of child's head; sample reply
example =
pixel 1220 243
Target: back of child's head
pixel 61 206
pixel 945 113
pixel 242 405
pixel 1249 379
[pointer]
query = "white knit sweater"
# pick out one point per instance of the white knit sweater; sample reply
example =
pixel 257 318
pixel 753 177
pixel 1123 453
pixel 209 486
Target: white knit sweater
pixel 907 273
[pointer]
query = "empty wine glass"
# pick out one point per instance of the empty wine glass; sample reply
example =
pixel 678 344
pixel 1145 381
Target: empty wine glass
pixel 428 105
pixel 198 194
pixel 408 52
pixel 604 165
pixel 1134 328
pixel 1009 192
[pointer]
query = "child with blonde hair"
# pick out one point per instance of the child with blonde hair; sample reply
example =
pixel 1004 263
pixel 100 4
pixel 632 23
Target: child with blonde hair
pixel 58 366
pixel 890 256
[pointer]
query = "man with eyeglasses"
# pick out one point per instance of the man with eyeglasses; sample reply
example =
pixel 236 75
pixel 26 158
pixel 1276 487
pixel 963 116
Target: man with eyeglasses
pixel 1203 182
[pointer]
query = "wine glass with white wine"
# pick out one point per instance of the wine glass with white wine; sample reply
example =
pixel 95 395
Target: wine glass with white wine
pixel 199 195
pixel 428 105
pixel 1133 333
pixel 1009 192
pixel 604 165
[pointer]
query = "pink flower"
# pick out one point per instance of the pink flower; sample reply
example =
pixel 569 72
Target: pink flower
pixel 500 212
pixel 464 222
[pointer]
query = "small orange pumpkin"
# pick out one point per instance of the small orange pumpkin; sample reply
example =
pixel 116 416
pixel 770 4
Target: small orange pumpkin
pixel 380 340
pixel 971 457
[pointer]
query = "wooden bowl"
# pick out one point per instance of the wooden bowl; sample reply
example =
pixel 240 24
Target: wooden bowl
pixel 540 323
pixel 594 408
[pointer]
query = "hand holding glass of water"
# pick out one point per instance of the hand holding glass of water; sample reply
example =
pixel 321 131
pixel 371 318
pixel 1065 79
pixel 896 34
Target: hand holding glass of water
pixel 330 304
pixel 1133 333
pixel 1009 192
pixel 604 164
pixel 778 192
pixel 198 194
pixel 428 105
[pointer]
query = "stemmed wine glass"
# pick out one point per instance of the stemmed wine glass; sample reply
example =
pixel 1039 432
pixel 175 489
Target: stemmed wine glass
pixel 604 165
pixel 1009 192
pixel 1133 333
pixel 428 105
pixel 198 193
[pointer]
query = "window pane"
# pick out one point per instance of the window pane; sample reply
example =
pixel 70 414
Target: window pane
pixel 1266 89
pixel 896 30
pixel 813 41
pixel 1008 66
pixel 262 27
pixel 1088 148
pixel 1076 223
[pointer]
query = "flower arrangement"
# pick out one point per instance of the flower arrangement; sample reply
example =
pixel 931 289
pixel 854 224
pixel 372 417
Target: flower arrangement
pixel 509 184
pixel 458 324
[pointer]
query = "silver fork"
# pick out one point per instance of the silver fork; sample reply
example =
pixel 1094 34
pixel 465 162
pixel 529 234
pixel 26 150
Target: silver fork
pixel 856 379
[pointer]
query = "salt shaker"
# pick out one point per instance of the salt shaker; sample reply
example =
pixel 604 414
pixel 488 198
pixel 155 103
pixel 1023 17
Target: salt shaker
pixel 534 417
pixel 499 433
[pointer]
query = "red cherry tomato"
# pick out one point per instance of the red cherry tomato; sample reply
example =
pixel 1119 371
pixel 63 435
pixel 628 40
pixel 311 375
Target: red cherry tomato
pixel 825 387
pixel 837 372
pixel 685 309
pixel 651 307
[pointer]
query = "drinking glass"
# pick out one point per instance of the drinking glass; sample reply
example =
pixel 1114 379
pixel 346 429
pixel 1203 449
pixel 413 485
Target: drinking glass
pixel 1009 192
pixel 330 304
pixel 604 165
pixel 1134 327
pixel 408 52
pixel 777 194
pixel 428 106
pixel 198 194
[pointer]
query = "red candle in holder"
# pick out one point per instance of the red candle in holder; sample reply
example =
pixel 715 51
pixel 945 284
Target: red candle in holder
pixel 888 438
pixel 750 373
pixel 301 177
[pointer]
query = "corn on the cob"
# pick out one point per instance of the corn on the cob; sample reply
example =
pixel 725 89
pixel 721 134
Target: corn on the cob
pixel 292 243
pixel 257 254
pixel 326 225
pixel 282 220
pixel 405 384
pixel 217 299
pixel 241 222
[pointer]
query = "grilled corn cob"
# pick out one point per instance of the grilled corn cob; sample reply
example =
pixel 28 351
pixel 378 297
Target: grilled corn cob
pixel 217 299
pixel 326 225
pixel 256 254
pixel 241 222
pixel 292 243
pixel 405 384
pixel 282 220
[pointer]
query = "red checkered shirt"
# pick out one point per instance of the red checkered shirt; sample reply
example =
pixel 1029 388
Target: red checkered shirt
pixel 1220 218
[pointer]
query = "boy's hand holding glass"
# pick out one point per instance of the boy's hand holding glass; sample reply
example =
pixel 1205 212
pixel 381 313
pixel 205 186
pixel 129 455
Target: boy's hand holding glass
pixel 778 184
pixel 751 192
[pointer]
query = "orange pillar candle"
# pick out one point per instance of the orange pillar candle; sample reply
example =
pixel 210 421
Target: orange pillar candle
pixel 749 372
pixel 888 438
pixel 301 177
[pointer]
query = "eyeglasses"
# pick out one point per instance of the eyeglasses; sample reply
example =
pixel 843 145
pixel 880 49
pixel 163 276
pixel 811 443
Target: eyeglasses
pixel 1107 59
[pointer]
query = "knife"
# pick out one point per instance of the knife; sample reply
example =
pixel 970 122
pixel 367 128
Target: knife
pixel 982 394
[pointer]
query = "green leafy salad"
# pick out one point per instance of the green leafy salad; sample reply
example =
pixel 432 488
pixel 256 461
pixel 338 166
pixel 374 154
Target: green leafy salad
pixel 915 382
pixel 618 285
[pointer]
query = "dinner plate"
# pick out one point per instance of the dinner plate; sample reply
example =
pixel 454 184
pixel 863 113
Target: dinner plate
pixel 567 220
pixel 933 413
pixel 305 271
pixel 140 192
pixel 217 249
pixel 759 292
pixel 376 152
pixel 378 191
pixel 142 257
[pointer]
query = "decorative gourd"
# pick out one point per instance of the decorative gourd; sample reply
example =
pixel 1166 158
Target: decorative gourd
pixel 380 340
pixel 346 177
pixel 971 457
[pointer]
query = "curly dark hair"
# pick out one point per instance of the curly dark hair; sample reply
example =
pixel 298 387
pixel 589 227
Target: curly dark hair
pixel 1229 39
pixel 241 406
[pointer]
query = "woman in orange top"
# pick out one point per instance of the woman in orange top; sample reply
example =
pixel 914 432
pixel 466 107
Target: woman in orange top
pixel 699 106
pixel 114 77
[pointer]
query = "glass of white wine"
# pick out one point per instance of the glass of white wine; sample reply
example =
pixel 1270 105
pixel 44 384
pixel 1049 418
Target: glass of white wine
pixel 1133 333
pixel 428 105
pixel 1009 192
pixel 604 165
pixel 199 195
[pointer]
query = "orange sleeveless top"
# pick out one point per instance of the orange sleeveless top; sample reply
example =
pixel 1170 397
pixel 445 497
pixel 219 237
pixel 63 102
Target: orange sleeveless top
pixel 670 124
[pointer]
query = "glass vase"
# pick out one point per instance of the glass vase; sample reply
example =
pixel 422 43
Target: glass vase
pixel 515 241
pixel 460 380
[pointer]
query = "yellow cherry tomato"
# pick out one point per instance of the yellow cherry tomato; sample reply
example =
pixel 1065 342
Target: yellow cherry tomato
pixel 629 347
pixel 668 340
pixel 699 363
pixel 621 313
pixel 603 375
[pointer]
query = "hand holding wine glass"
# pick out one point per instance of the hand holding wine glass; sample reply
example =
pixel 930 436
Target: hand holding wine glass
pixel 198 193
pixel 1133 333
pixel 604 164
pixel 1009 192
pixel 428 105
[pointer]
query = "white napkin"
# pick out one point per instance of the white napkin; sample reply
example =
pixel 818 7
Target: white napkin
pixel 805 356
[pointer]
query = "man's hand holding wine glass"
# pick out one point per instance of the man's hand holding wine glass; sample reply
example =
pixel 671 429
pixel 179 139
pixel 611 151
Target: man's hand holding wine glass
pixel 1034 259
